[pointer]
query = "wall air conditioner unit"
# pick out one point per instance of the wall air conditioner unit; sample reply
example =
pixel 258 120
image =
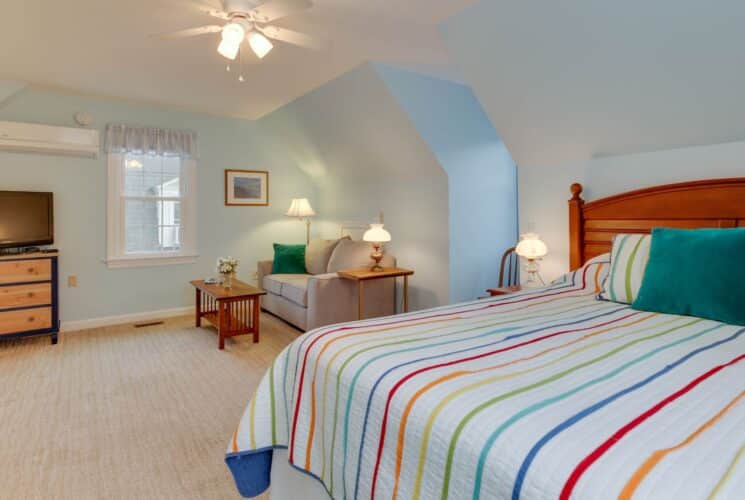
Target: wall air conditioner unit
pixel 48 139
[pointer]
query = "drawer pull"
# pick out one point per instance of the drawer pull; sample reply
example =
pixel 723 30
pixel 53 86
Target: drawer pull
pixel 31 295
pixel 31 270
pixel 31 319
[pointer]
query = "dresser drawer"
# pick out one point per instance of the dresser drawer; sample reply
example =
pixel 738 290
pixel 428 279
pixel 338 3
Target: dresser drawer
pixel 37 294
pixel 25 320
pixel 19 271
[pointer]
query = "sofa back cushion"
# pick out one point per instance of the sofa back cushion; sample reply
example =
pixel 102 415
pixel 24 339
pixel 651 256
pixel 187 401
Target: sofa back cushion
pixel 350 254
pixel 318 253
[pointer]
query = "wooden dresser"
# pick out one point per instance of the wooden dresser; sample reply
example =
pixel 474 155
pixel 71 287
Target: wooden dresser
pixel 29 298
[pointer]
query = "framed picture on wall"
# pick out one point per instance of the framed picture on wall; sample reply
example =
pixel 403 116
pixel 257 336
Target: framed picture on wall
pixel 246 188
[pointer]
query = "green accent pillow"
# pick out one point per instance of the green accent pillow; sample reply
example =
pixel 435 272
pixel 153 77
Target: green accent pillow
pixel 696 272
pixel 288 259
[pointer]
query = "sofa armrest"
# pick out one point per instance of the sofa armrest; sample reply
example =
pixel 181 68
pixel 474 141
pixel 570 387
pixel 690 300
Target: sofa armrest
pixel 332 299
pixel 263 268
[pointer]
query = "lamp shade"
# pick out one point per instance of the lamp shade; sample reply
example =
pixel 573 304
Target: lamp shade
pixel 259 44
pixel 232 36
pixel 531 247
pixel 376 234
pixel 300 207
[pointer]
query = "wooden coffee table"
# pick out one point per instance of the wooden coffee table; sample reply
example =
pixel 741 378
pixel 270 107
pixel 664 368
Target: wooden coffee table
pixel 233 311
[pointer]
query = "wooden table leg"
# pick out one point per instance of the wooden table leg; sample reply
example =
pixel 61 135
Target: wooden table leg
pixel 406 294
pixel 220 325
pixel 359 299
pixel 255 312
pixel 198 307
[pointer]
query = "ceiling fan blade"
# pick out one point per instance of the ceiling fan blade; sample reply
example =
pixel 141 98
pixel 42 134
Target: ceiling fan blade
pixel 291 37
pixel 201 30
pixel 219 14
pixel 210 7
pixel 275 9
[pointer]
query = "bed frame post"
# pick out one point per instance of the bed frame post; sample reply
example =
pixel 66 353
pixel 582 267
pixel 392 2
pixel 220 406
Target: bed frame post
pixel 576 228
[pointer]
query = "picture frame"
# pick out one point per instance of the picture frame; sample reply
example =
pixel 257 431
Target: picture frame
pixel 246 188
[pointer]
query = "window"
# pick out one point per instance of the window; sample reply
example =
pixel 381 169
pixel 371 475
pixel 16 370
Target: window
pixel 151 210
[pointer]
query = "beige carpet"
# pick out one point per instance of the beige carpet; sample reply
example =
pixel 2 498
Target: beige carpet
pixel 127 413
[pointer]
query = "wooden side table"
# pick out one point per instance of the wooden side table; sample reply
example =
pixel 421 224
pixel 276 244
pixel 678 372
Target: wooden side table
pixel 362 275
pixel 505 290
pixel 234 311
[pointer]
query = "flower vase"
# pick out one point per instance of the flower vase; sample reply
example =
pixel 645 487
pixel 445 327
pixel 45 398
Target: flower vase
pixel 227 280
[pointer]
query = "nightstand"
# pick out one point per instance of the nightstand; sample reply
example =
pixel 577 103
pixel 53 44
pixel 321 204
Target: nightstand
pixel 361 275
pixel 505 290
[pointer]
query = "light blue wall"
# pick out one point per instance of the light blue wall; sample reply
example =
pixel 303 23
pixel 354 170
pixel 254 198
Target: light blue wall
pixel 481 175
pixel 359 147
pixel 350 146
pixel 544 189
pixel 79 186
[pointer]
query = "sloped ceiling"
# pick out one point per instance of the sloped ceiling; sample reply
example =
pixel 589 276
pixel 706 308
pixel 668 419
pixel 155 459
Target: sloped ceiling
pixel 569 80
pixel 106 48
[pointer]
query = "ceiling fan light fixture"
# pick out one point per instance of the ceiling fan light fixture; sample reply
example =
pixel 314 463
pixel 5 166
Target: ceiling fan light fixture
pixel 259 44
pixel 232 36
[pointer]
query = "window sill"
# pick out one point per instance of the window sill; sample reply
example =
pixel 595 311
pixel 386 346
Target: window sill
pixel 150 261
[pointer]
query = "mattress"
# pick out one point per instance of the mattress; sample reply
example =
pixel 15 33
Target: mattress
pixel 541 394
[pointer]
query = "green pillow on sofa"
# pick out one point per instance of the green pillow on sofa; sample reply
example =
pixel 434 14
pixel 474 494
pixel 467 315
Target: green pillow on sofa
pixel 288 259
pixel 696 272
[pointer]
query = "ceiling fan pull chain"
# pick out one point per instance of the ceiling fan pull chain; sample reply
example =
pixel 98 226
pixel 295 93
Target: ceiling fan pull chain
pixel 240 65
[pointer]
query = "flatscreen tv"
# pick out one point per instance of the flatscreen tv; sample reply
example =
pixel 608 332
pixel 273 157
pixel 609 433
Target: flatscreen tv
pixel 26 219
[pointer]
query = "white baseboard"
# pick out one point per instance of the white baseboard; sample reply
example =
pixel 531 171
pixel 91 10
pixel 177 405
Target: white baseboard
pixel 85 324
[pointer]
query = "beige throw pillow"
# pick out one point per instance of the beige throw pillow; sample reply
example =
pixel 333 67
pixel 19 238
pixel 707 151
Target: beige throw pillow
pixel 350 254
pixel 318 253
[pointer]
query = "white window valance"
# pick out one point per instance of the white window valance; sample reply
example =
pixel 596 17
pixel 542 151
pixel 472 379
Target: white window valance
pixel 150 140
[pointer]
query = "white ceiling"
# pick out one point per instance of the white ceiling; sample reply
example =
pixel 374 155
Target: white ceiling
pixel 103 47
pixel 567 80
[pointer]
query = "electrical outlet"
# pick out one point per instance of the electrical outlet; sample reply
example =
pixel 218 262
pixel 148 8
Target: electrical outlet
pixel 72 281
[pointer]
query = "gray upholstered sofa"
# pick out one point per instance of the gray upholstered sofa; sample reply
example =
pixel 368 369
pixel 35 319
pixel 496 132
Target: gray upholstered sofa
pixel 321 297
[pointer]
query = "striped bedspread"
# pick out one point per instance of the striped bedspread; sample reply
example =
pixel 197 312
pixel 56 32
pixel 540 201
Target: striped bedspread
pixel 542 394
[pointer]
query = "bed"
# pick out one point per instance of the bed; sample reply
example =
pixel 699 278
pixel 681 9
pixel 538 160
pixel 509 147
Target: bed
pixel 548 393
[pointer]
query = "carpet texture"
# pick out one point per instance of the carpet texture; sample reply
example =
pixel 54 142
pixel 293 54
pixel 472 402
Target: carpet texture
pixel 125 412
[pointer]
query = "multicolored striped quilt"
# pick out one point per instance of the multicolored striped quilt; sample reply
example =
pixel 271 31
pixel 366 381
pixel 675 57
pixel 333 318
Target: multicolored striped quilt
pixel 541 394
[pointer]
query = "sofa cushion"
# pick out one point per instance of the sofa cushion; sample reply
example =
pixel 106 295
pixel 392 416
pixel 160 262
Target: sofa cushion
pixel 293 287
pixel 318 253
pixel 350 254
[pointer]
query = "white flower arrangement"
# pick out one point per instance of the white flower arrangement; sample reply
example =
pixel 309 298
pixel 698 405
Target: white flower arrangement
pixel 227 265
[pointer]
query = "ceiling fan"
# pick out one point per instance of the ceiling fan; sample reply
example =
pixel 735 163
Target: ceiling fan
pixel 248 20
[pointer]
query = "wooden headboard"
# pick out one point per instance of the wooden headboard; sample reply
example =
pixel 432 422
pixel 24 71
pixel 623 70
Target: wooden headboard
pixel 708 203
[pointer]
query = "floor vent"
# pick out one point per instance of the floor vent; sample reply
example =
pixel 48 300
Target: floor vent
pixel 149 323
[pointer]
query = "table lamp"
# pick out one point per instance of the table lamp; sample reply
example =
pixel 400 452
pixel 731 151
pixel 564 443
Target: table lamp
pixel 377 236
pixel 531 248
pixel 300 208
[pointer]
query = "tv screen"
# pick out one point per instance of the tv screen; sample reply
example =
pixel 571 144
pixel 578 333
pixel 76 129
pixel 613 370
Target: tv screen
pixel 26 219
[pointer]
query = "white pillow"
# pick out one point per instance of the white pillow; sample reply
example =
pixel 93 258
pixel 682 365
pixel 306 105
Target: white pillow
pixel 628 260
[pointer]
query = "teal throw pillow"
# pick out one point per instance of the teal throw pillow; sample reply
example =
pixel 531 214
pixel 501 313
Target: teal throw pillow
pixel 696 272
pixel 289 259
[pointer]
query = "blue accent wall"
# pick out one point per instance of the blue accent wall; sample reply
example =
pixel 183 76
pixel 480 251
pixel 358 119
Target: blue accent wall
pixel 482 176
